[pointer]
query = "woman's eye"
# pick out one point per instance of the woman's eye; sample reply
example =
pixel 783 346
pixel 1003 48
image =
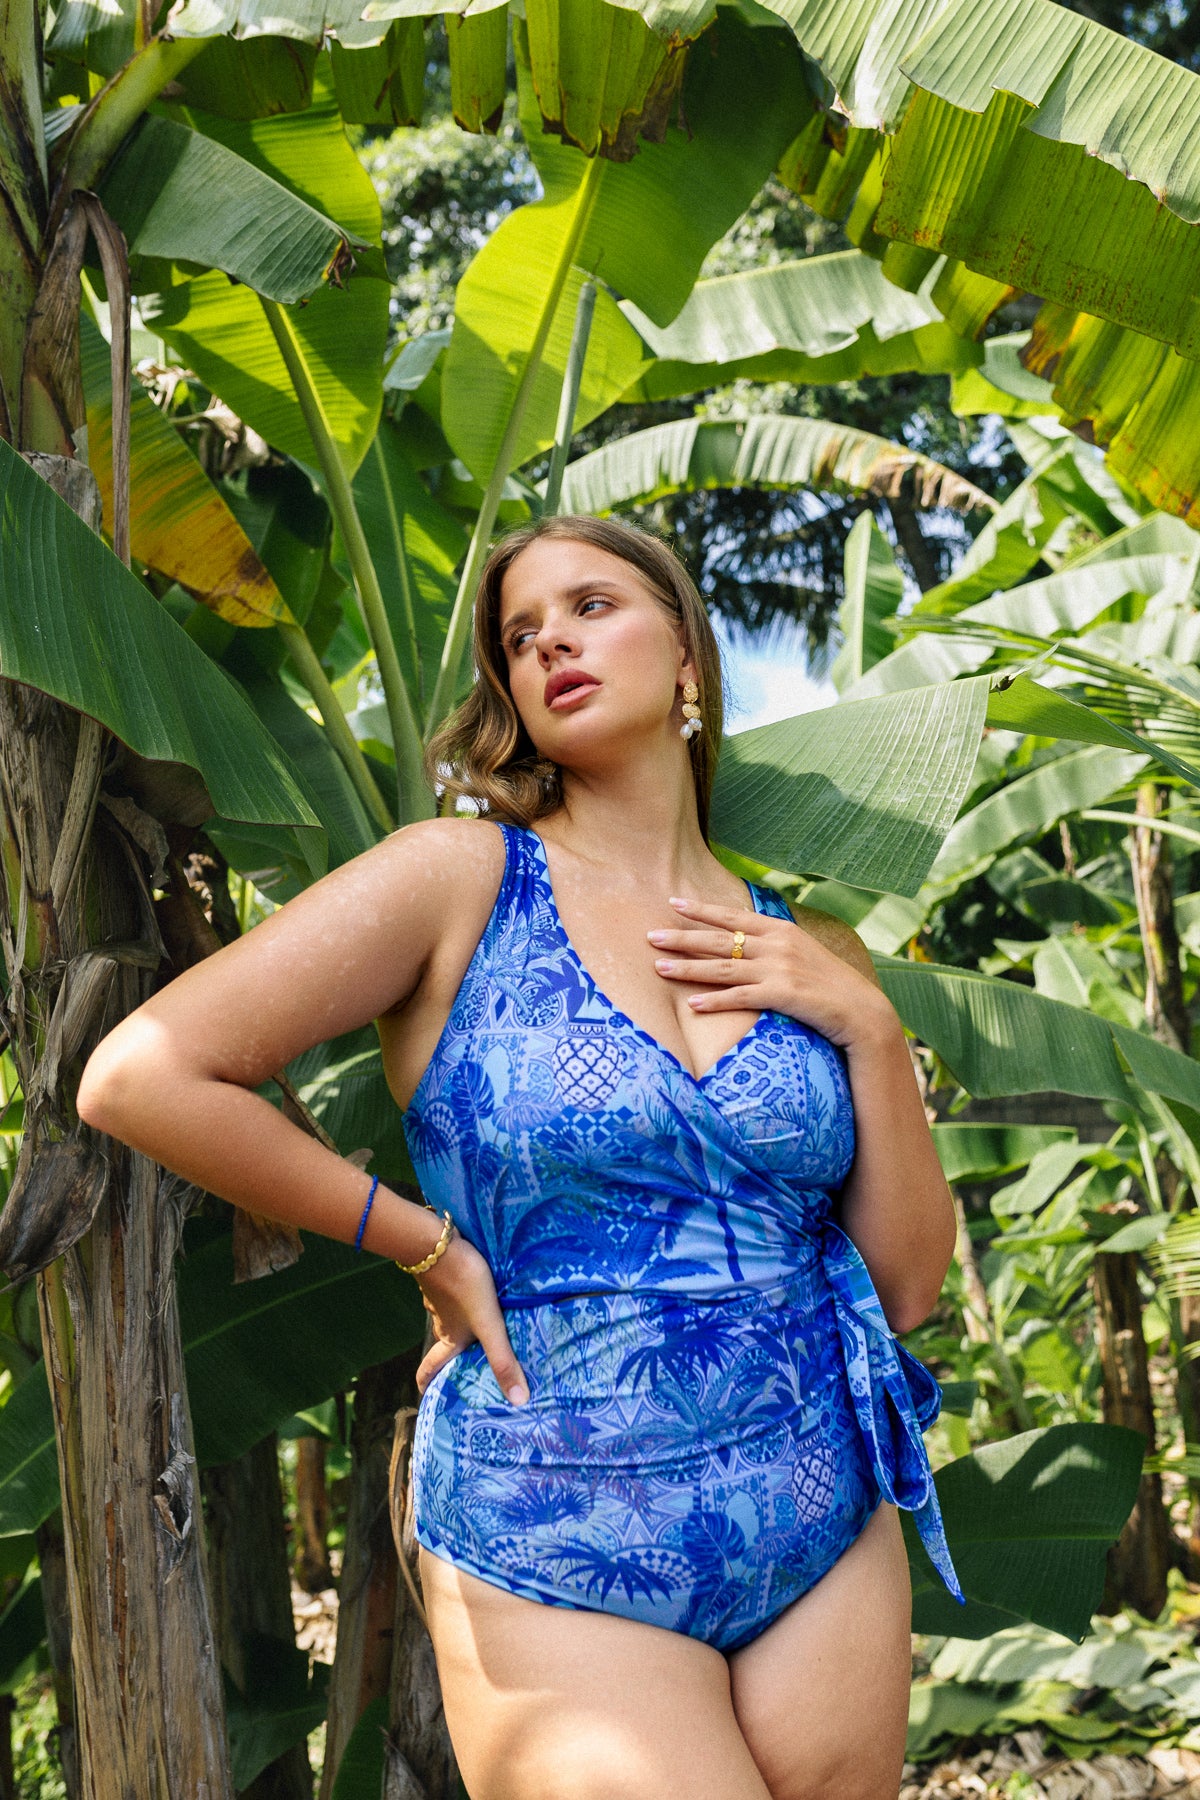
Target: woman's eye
pixel 596 600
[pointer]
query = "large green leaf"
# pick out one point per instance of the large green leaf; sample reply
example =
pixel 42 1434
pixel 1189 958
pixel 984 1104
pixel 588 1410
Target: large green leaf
pixel 255 1351
pixel 284 1700
pixel 1029 1522
pixel 181 196
pixel 76 624
pixel 220 329
pixel 767 450
pixel 645 226
pixel 861 792
pixel 1031 804
pixel 1037 147
pixel 823 318
pixel 221 332
pixel 999 1037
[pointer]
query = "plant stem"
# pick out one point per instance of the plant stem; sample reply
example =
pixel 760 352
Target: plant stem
pixel 117 108
pixel 406 590
pixel 414 798
pixel 563 431
pixel 308 667
pixel 460 617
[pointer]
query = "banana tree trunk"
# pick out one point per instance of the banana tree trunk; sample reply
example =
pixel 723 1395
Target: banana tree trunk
pixel 362 1660
pixel 251 1588
pixel 52 1565
pixel 102 1225
pixel 1138 1562
pixel 420 1763
pixel 312 1516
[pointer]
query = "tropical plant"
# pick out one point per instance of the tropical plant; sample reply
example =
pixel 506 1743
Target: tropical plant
pixel 252 695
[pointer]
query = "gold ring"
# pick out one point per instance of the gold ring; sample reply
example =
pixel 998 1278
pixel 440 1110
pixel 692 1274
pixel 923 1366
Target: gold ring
pixel 739 938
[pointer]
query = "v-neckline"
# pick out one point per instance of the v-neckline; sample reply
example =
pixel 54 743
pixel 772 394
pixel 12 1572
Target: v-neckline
pixel 615 1011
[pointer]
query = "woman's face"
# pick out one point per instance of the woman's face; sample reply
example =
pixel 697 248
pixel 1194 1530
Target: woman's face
pixel 594 660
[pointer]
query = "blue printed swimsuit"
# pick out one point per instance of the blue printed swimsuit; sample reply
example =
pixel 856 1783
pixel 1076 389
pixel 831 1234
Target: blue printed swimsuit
pixel 717 1403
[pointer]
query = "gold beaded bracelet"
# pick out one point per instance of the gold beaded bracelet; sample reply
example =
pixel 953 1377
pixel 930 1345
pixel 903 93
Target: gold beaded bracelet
pixel 439 1249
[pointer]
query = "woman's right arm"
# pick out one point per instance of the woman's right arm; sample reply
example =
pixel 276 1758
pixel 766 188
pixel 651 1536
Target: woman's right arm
pixel 175 1079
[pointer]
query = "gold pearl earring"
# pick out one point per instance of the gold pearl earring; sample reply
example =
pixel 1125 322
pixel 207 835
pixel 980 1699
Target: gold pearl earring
pixel 691 712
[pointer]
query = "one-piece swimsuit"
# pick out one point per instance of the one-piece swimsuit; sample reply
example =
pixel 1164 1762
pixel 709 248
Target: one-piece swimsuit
pixel 717 1404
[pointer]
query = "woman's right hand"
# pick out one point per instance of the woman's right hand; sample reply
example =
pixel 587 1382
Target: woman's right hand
pixel 460 1298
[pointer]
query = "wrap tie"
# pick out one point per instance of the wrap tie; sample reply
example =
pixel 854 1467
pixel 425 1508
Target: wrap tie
pixel 895 1397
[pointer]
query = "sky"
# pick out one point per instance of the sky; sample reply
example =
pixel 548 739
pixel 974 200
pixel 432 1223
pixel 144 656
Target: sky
pixel 768 680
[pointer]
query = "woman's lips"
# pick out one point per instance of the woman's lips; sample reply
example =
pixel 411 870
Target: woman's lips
pixel 568 696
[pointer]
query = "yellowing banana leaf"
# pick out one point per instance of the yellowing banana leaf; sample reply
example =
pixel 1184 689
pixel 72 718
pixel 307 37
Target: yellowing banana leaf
pixel 767 450
pixel 77 624
pixel 1135 395
pixel 182 197
pixel 178 522
pixel 645 226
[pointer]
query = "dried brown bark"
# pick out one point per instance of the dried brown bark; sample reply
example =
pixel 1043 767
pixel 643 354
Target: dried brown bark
pixel 420 1762
pixel 311 1552
pixel 362 1662
pixel 251 1587
pixel 1138 1562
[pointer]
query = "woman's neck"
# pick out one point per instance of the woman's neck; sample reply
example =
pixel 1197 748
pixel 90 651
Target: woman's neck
pixel 634 822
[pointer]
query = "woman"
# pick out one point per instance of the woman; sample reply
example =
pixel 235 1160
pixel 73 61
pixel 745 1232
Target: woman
pixel 664 1420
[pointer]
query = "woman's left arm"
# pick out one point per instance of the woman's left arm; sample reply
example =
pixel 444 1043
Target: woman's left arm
pixel 895 1203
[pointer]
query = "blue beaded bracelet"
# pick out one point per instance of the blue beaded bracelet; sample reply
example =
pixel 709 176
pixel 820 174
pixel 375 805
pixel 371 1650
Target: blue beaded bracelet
pixel 362 1223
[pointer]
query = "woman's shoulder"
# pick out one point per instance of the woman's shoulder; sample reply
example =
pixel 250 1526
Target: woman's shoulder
pixel 459 855
pixel 836 935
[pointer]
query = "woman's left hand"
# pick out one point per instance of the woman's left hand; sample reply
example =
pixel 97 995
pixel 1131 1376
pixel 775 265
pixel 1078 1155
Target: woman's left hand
pixel 782 968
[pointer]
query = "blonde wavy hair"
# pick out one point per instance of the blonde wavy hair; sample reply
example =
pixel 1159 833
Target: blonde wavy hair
pixel 483 751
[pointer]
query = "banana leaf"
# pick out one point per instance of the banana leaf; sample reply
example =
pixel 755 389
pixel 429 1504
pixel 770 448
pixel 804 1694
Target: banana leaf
pixel 822 318
pixel 645 226
pixel 1029 1522
pixel 76 624
pixel 874 588
pixel 766 450
pixel 178 521
pixel 999 1037
pixel 219 329
pixel 183 197
pixel 861 792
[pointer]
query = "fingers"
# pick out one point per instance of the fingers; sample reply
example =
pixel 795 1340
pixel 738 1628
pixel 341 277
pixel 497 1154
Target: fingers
pixel 501 1359
pixel 719 972
pixel 733 918
pixel 729 1000
pixel 698 941
pixel 434 1359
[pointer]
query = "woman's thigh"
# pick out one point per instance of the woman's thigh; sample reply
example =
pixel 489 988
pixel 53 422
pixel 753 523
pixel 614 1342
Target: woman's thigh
pixel 546 1703
pixel 821 1695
